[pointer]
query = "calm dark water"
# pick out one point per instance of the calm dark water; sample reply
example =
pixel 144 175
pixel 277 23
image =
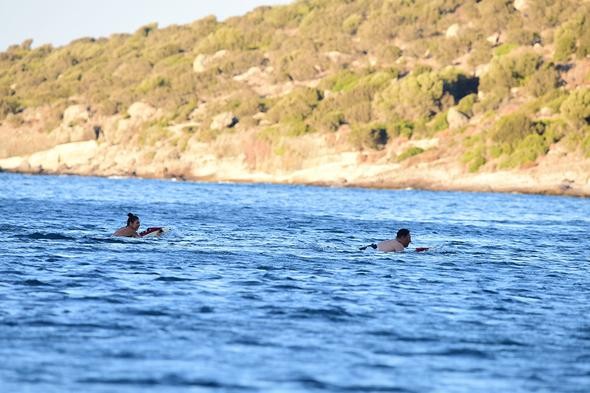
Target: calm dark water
pixel 262 288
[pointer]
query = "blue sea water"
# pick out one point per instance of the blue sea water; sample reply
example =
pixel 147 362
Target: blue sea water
pixel 263 288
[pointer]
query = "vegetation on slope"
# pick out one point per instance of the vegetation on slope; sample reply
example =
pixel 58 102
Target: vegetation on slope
pixel 387 69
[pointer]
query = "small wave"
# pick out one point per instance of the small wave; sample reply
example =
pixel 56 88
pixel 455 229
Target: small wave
pixel 70 326
pixel 251 342
pixel 149 313
pixel 45 236
pixel 34 283
pixel 333 314
pixel 464 352
pixel 10 228
pixel 171 279
pixel 316 384
pixel 106 239
pixel 287 287
pixel 167 380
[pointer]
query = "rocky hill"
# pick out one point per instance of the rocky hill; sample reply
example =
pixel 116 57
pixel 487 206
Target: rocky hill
pixel 444 94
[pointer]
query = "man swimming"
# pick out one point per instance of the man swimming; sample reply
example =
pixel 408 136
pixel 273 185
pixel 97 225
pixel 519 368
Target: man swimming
pixel 131 229
pixel 402 240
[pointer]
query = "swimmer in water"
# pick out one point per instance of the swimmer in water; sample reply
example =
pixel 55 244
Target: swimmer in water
pixel 399 244
pixel 131 229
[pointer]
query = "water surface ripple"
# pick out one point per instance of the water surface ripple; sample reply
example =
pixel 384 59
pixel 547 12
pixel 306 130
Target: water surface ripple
pixel 262 288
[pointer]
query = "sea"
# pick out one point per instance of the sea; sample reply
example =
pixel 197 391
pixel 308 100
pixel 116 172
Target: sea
pixel 263 288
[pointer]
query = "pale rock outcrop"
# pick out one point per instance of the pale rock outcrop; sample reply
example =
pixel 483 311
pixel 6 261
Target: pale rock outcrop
pixel 521 5
pixel 546 111
pixel 74 114
pixel 141 111
pixel 453 31
pixel 253 74
pixel 199 112
pixel 224 120
pixel 456 119
pixel 199 64
pixel 337 57
pixel 494 39
pixel 481 70
pixel 202 61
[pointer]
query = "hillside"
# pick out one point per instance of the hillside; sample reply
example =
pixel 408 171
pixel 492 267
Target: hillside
pixel 444 94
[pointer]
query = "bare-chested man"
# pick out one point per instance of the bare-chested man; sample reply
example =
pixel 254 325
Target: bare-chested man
pixel 399 244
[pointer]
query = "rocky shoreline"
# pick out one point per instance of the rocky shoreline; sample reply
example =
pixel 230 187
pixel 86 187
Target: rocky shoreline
pixel 90 158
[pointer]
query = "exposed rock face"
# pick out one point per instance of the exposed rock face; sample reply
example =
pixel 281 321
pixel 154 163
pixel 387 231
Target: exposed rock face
pixel 253 73
pixel 494 39
pixel 456 119
pixel 224 120
pixel 141 111
pixel 521 5
pixel 202 61
pixel 199 64
pixel 75 113
pixel 481 70
pixel 453 31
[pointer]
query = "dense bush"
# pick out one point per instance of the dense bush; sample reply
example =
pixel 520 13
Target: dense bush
pixel 296 106
pixel 576 106
pixel 475 157
pixel 507 72
pixel 510 130
pixel 543 81
pixel 372 136
pixel 414 96
pixel 410 152
pixel 574 36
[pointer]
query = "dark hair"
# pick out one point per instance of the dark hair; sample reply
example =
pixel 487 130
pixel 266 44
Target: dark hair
pixel 403 232
pixel 132 218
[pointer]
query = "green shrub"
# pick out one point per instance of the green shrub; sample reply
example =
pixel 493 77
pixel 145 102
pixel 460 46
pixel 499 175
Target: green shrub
pixel 508 72
pixel 474 158
pixel 300 65
pixel 344 80
pixel 586 144
pixel 152 83
pixel 360 112
pixel 401 128
pixel 294 128
pixel 10 105
pixel 565 43
pixel 465 105
pixel 439 122
pixel 330 121
pixel 519 141
pixel 526 151
pixel 388 54
pixel 410 152
pixel 296 106
pixel 351 24
pixel 576 106
pixel 413 96
pixel 510 130
pixel 544 80
pixel 504 49
pixel 574 36
pixel 373 136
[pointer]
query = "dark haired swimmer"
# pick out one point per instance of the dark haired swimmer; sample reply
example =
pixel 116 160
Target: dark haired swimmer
pixel 402 240
pixel 131 229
